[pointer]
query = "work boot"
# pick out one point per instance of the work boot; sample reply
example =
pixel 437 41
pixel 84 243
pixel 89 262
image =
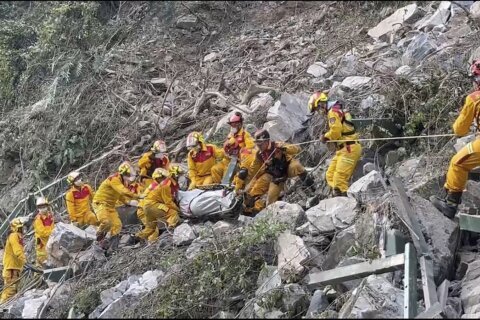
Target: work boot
pixel 337 193
pixel 114 242
pixel 306 179
pixel 449 205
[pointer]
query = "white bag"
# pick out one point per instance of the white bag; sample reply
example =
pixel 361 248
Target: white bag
pixel 201 202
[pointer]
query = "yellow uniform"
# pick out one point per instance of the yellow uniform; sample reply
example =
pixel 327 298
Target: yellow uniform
pixel 200 164
pixel 232 147
pixel 104 201
pixel 469 156
pixel 348 153
pixel 148 163
pixel 78 201
pixel 160 204
pixel 270 169
pixel 43 226
pixel 13 262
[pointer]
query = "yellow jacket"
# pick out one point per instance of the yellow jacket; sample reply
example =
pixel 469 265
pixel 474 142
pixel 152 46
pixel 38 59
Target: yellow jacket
pixel 470 111
pixel 78 201
pixel 163 193
pixel 200 163
pixel 111 190
pixel 339 130
pixel 236 142
pixel 277 163
pixel 14 254
pixel 43 226
pixel 136 187
pixel 147 163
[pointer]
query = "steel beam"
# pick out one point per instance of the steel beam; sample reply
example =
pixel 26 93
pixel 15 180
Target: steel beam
pixel 410 288
pixel 428 283
pixel 442 293
pixel 469 222
pixel 434 312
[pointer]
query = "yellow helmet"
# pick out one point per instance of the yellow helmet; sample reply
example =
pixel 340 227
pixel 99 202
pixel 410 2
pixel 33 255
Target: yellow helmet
pixel 175 170
pixel 194 138
pixel 160 173
pixel 159 146
pixel 42 201
pixel 72 176
pixel 16 224
pixel 315 99
pixel 125 168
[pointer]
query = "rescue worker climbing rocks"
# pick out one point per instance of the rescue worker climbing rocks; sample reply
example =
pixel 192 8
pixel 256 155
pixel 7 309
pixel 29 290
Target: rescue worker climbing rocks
pixel 237 141
pixel 468 157
pixel 160 202
pixel 153 159
pixel 107 195
pixel 78 199
pixel 348 153
pixel 13 260
pixel 43 225
pixel 201 158
pixel 274 162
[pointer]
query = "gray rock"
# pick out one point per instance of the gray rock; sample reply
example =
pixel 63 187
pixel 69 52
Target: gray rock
pixel 221 228
pixel 38 108
pixel 369 167
pixel 66 240
pixel 332 213
pixel 463 141
pixel 355 83
pixel 275 314
pixel 419 48
pixel 283 212
pixel 404 71
pixel 225 315
pixel 471 316
pixel 195 248
pixel 160 84
pixel 407 14
pixel 318 304
pixel 248 311
pixel 317 70
pixel 211 57
pixel 261 102
pixel 187 22
pixel 475 10
pixel 374 298
pixel 295 299
pixel 470 294
pixel 246 220
pixel 441 233
pixel 15 309
pixel 339 247
pixel 268 279
pixel 471 197
pixel 352 284
pixel 183 235
pixel 32 307
pixel 348 65
pixel 475 55
pixel 367 188
pixel 287 116
pixel 292 255
pixel 373 101
pixel 439 17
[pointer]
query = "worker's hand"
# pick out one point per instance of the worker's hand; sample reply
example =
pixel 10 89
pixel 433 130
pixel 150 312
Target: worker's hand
pixel 133 203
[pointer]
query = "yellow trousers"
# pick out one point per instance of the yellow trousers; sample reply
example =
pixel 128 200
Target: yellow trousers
pixel 264 185
pixel 153 216
pixel 41 251
pixel 342 166
pixel 202 181
pixel 141 215
pixel 108 218
pixel 10 285
pixel 89 219
pixel 218 170
pixel 461 164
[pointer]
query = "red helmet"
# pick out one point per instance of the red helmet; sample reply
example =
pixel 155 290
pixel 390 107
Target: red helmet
pixel 236 117
pixel 475 70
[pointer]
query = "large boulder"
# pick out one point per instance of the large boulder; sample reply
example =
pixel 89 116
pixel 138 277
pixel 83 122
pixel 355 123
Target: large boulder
pixel 287 116
pixel 183 235
pixel 367 188
pixel 292 255
pixel 420 47
pixel 65 241
pixel 283 212
pixel 355 83
pixel 333 213
pixel 375 298
pixel 339 247
pixel 404 15
pixel 439 17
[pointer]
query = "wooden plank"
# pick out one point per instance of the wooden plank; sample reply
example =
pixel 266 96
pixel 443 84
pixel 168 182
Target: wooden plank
pixel 428 283
pixel 469 222
pixel 356 271
pixel 434 312
pixel 410 288
pixel 442 293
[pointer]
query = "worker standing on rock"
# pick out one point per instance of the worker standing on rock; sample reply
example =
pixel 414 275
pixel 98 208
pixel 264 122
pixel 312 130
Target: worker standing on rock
pixel 43 226
pixel 237 139
pixel 105 199
pixel 468 157
pixel 13 260
pixel 79 198
pixel 273 163
pixel 160 204
pixel 153 159
pixel 347 153
pixel 201 158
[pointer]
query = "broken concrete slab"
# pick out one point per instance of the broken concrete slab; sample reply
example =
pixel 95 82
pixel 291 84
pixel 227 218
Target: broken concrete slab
pixel 404 15
pixel 367 188
pixel 333 213
pixel 183 235
pixel 292 255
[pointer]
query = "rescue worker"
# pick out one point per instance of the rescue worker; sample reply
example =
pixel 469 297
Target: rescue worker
pixel 469 156
pixel 43 226
pixel 273 163
pixel 153 159
pixel 79 198
pixel 105 199
pixel 237 139
pixel 13 260
pixel 347 153
pixel 160 202
pixel 137 187
pixel 201 158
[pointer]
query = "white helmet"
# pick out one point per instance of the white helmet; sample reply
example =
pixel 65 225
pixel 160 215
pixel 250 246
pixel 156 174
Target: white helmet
pixel 72 176
pixel 41 201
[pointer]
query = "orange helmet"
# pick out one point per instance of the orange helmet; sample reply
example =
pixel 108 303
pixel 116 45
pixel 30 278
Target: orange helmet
pixel 315 99
pixel 159 146
pixel 475 70
pixel 236 117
